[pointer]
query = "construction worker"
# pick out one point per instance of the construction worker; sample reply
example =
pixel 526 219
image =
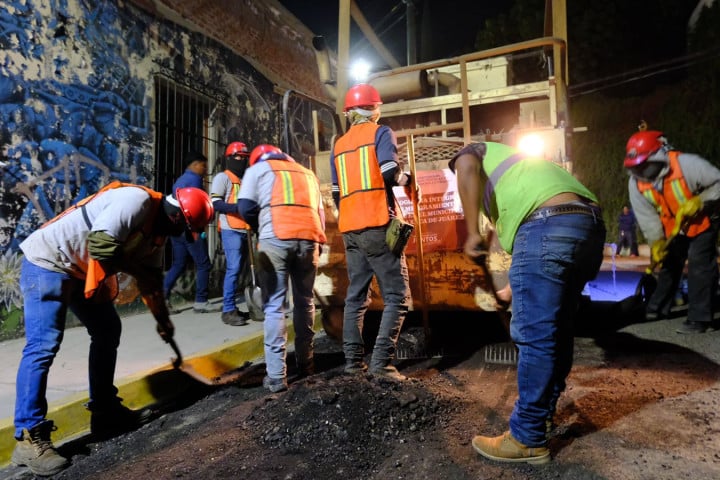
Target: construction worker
pixel 627 234
pixel 674 190
pixel 553 228
pixel 233 228
pixel 280 199
pixel 71 262
pixel 364 168
pixel 196 166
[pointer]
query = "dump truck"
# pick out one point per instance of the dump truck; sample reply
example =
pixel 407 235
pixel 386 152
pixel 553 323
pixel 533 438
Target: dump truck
pixel 510 94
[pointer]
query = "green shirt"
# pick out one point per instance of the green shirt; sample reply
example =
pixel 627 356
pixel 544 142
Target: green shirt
pixel 523 188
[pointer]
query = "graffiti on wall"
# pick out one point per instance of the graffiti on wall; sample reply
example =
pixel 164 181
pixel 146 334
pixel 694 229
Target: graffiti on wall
pixel 67 122
pixel 76 82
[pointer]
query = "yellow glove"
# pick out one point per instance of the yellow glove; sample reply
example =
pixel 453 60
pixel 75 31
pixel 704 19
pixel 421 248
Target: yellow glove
pixel 657 251
pixel 688 209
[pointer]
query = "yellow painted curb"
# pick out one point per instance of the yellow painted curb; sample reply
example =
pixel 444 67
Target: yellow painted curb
pixel 143 390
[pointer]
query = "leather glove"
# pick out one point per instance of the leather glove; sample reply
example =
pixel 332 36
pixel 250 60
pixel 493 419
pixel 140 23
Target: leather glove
pixel 658 251
pixel 688 209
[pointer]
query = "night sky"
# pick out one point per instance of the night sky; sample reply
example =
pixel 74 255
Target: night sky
pixel 451 31
pixel 603 42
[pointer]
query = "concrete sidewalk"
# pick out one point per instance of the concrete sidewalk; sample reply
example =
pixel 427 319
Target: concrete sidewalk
pixel 144 374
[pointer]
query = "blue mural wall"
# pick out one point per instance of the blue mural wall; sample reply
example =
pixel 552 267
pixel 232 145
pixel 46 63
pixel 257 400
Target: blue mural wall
pixel 76 97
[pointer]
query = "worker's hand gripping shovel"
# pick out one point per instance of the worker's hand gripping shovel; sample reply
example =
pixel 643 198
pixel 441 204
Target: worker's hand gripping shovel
pixel 481 252
pixel 506 352
pixel 253 293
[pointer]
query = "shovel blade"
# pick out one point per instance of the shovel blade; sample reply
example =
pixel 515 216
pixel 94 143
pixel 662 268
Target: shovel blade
pixel 253 297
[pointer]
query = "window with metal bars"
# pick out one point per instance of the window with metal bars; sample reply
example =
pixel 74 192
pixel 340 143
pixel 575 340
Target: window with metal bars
pixel 182 118
pixel 182 124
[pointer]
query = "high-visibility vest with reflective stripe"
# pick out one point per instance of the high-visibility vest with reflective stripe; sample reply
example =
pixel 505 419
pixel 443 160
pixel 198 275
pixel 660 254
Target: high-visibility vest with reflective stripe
pixel 96 275
pixel 363 198
pixel 294 202
pixel 234 219
pixel 675 193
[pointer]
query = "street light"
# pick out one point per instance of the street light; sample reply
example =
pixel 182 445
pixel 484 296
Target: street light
pixel 360 70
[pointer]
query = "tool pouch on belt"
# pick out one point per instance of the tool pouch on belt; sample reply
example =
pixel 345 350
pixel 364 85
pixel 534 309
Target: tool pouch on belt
pixel 397 235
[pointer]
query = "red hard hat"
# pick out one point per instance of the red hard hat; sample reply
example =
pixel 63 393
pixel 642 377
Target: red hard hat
pixel 641 145
pixel 261 152
pixel 236 148
pixel 196 207
pixel 362 94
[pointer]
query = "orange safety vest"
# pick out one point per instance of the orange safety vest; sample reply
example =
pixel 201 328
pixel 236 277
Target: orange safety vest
pixel 97 280
pixel 295 202
pixel 234 219
pixel 675 193
pixel 363 199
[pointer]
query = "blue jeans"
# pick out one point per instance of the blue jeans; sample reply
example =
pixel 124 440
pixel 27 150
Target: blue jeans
pixel 280 261
pixel 234 245
pixel 47 296
pixel 552 260
pixel 368 255
pixel 181 250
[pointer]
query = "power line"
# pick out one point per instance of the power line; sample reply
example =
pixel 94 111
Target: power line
pixel 643 72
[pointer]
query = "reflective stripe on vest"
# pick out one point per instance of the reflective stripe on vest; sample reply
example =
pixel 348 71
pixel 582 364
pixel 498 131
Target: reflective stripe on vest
pixel 234 219
pixel 363 199
pixel 675 193
pixel 295 202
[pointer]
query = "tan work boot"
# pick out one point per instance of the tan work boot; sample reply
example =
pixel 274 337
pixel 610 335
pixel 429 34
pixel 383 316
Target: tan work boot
pixel 389 372
pixel 356 367
pixel 36 451
pixel 506 448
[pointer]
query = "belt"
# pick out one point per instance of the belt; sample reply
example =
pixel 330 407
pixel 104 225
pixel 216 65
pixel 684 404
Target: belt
pixel 565 209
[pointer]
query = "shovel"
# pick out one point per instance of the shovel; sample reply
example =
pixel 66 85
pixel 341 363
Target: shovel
pixel 219 373
pixel 253 293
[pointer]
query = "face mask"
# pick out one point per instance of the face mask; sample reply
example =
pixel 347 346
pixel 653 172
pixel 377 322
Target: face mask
pixel 236 166
pixel 648 171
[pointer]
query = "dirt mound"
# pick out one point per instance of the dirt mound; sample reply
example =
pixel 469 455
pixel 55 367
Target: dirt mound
pixel 348 417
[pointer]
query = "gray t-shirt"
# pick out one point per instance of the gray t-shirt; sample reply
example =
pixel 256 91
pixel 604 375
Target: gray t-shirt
pixel 257 186
pixel 219 190
pixel 62 246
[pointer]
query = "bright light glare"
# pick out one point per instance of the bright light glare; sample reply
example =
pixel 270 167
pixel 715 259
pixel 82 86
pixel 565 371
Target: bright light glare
pixel 360 70
pixel 532 144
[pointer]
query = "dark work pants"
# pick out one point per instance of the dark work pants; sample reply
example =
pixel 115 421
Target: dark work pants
pixel 700 252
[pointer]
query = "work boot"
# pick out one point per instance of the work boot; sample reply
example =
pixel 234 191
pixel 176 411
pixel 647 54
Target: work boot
pixel 235 318
pixel 275 385
pixel 389 372
pixel 206 307
pixel 693 327
pixel 356 367
pixel 36 451
pixel 651 315
pixel 506 448
pixel 116 419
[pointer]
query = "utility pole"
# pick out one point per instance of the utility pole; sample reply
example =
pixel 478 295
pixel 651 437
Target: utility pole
pixel 411 31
